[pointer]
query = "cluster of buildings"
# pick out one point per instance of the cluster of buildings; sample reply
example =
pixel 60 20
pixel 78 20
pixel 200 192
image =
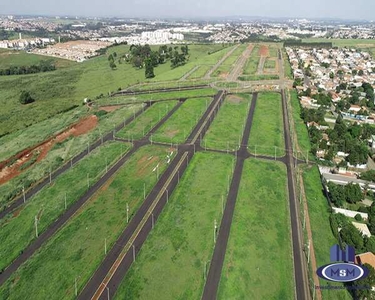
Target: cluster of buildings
pixel 328 69
pixel 74 50
pixel 158 37
pixel 24 44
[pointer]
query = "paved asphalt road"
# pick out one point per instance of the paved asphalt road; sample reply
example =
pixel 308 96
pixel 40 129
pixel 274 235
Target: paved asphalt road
pixel 63 219
pixel 214 274
pixel 39 186
pixel 112 270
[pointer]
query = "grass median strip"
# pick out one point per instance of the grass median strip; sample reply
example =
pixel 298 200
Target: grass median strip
pixel 227 127
pixel 145 122
pixel 267 134
pixel 17 229
pixel 322 235
pixel 78 248
pixel 179 126
pixel 172 261
pixel 259 244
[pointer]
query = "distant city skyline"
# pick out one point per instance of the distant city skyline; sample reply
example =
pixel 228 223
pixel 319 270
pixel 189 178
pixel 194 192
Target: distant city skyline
pixel 327 9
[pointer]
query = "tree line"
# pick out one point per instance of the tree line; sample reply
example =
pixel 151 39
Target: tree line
pixel 43 66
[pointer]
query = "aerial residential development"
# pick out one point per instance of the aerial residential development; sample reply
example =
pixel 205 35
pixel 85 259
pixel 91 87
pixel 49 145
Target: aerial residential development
pixel 198 153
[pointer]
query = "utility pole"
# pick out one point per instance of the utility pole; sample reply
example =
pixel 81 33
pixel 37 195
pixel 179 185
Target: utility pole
pixel 133 253
pixel 105 246
pixel 50 175
pixel 107 292
pixel 308 254
pixel 127 212
pixel 88 147
pixel 215 227
pixel 75 287
pixel 36 226
pixel 152 220
pixel 23 192
pixel 275 152
pixel 65 201
pixel 222 204
pixel 106 165
pixel 144 191
pixel 167 196
pixel 88 181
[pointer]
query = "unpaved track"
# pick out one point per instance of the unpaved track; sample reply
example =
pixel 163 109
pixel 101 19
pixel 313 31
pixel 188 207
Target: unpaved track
pixel 188 73
pixel 218 64
pixel 240 63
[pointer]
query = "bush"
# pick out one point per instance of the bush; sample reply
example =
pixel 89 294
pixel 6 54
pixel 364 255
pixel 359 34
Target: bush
pixel 25 98
pixel 358 217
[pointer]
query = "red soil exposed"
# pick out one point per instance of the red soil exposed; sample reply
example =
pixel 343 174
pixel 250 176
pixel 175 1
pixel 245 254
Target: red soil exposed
pixel 263 51
pixel 12 167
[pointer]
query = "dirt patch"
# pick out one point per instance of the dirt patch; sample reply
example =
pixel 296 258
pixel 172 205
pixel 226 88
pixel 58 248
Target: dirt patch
pixel 223 75
pixel 263 50
pixel 110 108
pixel 171 133
pixel 20 162
pixel 144 163
pixel 234 99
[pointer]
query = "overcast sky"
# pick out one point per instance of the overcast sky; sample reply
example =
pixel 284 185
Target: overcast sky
pixel 346 9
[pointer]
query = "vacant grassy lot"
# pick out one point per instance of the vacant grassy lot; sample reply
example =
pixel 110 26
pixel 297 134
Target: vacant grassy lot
pixel 287 67
pixel 226 130
pixel 17 230
pixel 299 125
pixel 59 90
pixel 323 238
pixel 13 58
pixel 182 122
pixel 270 64
pixel 172 261
pixel 267 129
pixel 157 96
pixel 259 243
pixel 78 248
pixel 252 63
pixel 144 123
pixel 225 68
pixel 60 152
pixel 258 77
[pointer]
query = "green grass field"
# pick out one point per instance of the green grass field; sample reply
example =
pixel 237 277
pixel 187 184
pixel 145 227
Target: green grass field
pixel 258 77
pixel 157 96
pixel 181 123
pixel 17 230
pixel 61 153
pixel 355 43
pixel 225 68
pixel 258 262
pixel 78 248
pixel 252 63
pixel 299 125
pixel 323 238
pixel 270 64
pixel 226 130
pixel 144 123
pixel 59 90
pixel 267 129
pixel 172 261
pixel 13 58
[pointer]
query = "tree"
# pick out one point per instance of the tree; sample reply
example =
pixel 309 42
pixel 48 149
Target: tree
pixel 25 98
pixel 149 70
pixel 112 65
pixel 110 58
pixel 369 281
pixel 351 236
